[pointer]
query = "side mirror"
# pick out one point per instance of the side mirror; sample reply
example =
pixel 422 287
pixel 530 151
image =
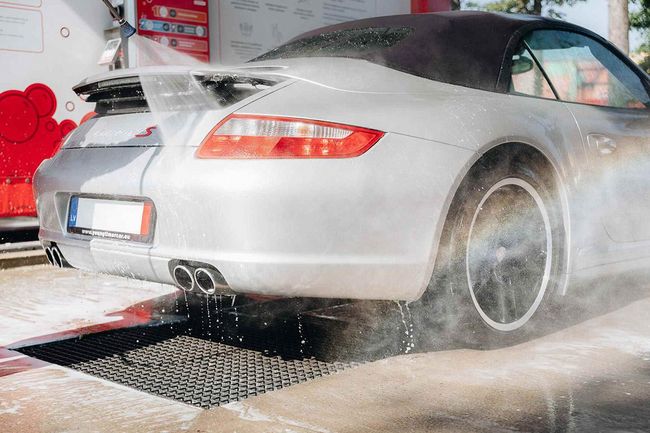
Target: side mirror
pixel 521 65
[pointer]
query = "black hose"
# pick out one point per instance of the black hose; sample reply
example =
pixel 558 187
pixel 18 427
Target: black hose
pixel 114 12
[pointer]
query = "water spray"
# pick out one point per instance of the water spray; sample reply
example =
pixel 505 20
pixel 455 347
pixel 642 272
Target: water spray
pixel 126 29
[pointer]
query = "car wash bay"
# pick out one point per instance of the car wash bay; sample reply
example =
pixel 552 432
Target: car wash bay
pixel 126 357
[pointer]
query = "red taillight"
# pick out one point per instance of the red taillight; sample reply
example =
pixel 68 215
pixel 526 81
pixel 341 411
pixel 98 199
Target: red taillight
pixel 252 136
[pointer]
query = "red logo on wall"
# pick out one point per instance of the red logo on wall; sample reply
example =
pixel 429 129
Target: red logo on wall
pixel 28 135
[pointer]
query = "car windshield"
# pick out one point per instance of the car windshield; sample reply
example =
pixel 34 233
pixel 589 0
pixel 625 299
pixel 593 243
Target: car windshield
pixel 342 43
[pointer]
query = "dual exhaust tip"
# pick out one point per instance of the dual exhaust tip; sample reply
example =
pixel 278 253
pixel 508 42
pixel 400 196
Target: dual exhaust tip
pixel 55 258
pixel 207 280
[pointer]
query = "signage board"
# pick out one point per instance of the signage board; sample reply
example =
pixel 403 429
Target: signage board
pixel 248 28
pixel 179 24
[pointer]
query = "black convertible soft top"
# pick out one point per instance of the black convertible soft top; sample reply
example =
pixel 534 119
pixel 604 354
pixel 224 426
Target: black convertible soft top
pixel 466 48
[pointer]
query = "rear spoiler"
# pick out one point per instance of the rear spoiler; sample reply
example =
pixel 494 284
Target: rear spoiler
pixel 123 92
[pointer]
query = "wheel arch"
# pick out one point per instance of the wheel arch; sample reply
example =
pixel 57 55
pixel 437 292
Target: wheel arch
pixel 497 150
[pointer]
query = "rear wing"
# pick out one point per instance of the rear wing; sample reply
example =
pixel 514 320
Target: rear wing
pixel 176 90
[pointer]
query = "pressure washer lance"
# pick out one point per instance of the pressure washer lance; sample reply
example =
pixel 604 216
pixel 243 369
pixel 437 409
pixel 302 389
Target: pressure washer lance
pixel 126 29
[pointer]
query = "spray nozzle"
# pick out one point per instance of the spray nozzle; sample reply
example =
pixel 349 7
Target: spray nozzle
pixel 126 29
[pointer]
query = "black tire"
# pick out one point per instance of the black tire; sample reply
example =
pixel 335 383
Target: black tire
pixel 501 256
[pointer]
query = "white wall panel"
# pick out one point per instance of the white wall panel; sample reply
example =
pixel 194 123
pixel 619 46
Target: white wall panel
pixel 54 42
pixel 242 29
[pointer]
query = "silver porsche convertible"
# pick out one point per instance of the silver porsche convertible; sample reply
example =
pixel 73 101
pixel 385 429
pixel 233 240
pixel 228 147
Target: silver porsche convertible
pixel 496 159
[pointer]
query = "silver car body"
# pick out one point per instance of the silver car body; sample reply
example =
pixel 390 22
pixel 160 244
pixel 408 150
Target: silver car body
pixel 366 227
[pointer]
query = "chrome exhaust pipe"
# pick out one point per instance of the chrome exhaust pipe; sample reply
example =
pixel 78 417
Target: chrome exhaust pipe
pixel 57 258
pixel 205 281
pixel 210 281
pixel 48 254
pixel 184 278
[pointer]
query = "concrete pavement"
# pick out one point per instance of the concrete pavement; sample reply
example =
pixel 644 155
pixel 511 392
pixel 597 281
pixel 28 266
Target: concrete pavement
pixel 591 376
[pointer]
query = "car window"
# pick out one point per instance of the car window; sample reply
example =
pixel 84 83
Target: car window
pixel 585 71
pixel 527 78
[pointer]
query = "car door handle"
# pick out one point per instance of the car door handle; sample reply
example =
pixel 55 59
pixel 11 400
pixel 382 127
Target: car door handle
pixel 603 144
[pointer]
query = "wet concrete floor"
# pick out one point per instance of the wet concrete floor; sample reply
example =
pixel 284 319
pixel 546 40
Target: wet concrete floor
pixel 590 374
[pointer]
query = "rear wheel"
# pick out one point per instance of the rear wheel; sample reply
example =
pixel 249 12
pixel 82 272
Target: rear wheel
pixel 501 257
pixel 508 254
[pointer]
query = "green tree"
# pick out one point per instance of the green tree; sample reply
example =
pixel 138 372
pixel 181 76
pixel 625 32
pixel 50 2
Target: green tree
pixel 531 7
pixel 457 5
pixel 640 20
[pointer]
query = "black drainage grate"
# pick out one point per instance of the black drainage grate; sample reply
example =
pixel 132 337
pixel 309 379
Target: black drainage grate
pixel 196 371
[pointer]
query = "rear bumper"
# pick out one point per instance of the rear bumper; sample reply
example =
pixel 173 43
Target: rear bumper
pixel 276 275
pixel 362 227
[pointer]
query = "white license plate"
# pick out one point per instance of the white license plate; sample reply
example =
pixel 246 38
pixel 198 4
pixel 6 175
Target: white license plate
pixel 129 220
